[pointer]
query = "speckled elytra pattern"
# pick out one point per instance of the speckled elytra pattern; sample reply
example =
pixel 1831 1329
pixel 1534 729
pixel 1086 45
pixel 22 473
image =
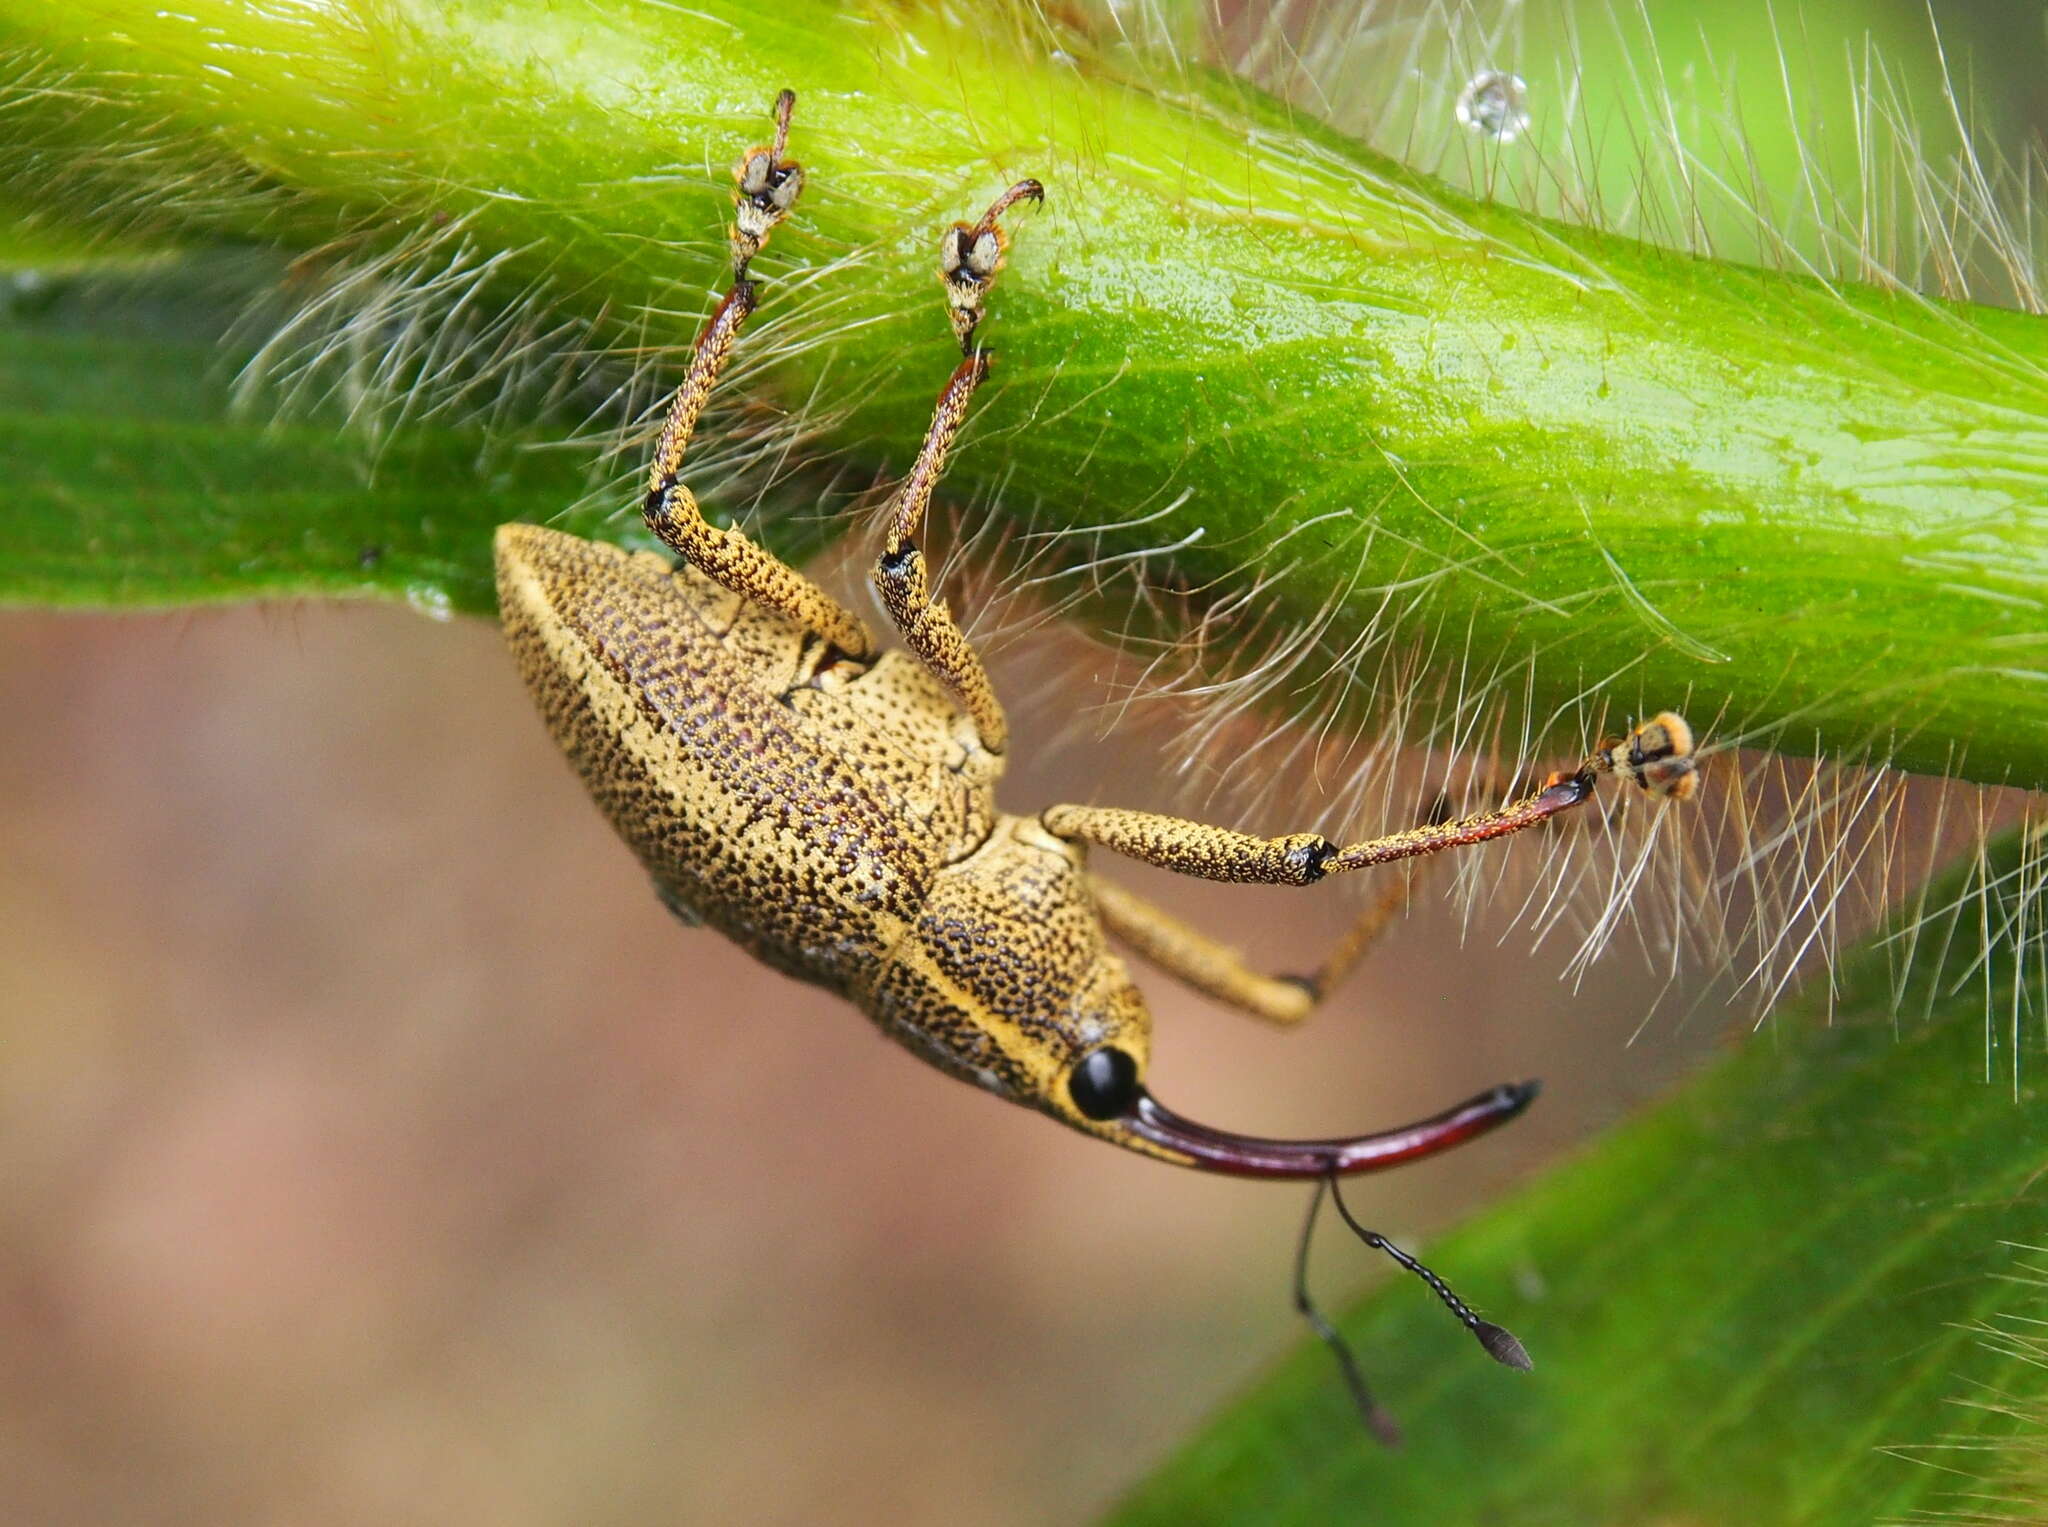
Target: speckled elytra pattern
pixel 837 819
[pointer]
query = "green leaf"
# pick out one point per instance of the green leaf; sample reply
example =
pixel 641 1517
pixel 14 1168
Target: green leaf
pixel 1814 509
pixel 1811 1288
pixel 135 481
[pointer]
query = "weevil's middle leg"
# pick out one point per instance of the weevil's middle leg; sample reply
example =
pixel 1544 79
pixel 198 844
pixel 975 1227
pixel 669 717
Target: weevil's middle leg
pixel 768 187
pixel 969 257
pixel 1217 970
pixel 1656 755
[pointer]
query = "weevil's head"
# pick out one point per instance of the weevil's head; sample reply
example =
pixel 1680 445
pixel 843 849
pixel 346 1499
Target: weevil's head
pixel 1007 981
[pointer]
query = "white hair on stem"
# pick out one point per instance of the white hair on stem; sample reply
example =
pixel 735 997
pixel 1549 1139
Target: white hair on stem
pixel 1779 862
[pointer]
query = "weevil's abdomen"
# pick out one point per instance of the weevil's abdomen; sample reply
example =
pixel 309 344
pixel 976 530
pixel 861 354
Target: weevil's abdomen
pixel 673 701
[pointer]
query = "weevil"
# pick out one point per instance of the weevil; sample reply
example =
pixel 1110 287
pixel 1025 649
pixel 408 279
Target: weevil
pixel 830 806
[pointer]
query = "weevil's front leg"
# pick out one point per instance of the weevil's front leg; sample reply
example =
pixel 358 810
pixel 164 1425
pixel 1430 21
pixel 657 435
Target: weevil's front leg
pixel 768 187
pixel 1656 755
pixel 1217 970
pixel 969 257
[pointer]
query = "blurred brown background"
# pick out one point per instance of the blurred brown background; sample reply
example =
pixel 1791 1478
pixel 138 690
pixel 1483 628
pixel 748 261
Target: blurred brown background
pixel 376 1149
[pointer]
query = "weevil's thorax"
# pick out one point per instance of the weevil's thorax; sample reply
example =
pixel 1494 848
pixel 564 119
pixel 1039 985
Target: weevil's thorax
pixel 1006 978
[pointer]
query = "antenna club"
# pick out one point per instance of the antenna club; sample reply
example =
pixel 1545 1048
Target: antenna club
pixel 1502 1345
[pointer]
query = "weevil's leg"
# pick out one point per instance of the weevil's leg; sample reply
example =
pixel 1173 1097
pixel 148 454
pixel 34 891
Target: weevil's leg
pixel 904 582
pixel 1215 969
pixel 769 184
pixel 969 257
pixel 1657 756
pixel 768 187
pixel 727 556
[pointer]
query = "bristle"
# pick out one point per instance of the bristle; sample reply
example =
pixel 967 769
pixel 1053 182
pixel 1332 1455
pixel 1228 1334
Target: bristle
pixel 1892 179
pixel 1775 862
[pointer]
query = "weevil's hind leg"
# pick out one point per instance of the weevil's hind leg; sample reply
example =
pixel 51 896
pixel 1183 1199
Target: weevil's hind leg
pixel 1217 970
pixel 768 187
pixel 969 257
pixel 1373 920
pixel 1657 756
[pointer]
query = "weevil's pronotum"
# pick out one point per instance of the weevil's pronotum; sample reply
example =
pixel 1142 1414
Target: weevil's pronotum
pixel 830 806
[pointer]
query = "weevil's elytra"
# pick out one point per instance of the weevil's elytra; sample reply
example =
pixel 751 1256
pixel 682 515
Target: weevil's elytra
pixel 830 806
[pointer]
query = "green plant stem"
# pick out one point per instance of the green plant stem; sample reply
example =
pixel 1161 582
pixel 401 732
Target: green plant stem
pixel 1809 511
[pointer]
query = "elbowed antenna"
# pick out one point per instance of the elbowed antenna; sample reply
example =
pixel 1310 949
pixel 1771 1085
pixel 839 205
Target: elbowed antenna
pixel 1377 1420
pixel 1500 1343
pixel 1219 1150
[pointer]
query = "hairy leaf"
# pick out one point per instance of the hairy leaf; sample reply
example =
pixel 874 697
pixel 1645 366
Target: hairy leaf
pixel 1808 1289
pixel 134 481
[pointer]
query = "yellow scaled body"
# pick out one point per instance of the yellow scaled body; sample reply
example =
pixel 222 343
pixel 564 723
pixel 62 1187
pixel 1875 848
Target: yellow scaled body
pixel 835 818
pixel 831 806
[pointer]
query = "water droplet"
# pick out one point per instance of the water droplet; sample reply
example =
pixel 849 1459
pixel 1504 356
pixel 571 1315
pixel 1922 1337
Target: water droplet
pixel 430 601
pixel 1494 103
pixel 28 292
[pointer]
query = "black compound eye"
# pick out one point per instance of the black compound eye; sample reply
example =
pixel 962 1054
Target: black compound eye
pixel 1105 1084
